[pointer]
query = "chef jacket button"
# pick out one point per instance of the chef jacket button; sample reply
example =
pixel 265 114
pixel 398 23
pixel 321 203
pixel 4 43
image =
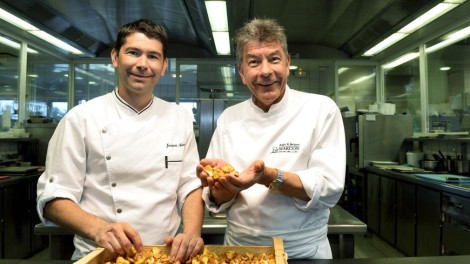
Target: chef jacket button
pixel 104 130
pixel 108 157
pixel 51 179
pixel 113 184
pixel 119 210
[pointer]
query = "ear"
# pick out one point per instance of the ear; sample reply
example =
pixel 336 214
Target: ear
pixel 165 65
pixel 114 58
pixel 288 64
pixel 240 72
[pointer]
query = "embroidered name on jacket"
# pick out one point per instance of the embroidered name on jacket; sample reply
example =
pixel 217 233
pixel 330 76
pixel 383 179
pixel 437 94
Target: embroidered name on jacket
pixel 286 148
pixel 170 145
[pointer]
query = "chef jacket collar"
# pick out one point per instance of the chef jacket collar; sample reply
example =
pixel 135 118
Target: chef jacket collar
pixel 277 107
pixel 130 106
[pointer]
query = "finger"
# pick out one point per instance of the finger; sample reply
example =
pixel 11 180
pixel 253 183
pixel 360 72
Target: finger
pixel 258 166
pixel 175 247
pixel 114 243
pixel 225 183
pixel 194 247
pixel 133 238
pixel 168 241
pixel 180 251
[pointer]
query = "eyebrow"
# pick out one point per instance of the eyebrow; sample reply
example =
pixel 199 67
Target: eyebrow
pixel 151 51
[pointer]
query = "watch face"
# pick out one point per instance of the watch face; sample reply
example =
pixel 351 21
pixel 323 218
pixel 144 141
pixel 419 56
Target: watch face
pixel 275 185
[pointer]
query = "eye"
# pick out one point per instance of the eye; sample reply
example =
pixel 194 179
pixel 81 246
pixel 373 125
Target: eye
pixel 132 52
pixel 253 62
pixel 153 56
pixel 276 59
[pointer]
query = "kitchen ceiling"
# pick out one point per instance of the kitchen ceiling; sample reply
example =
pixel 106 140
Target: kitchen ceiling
pixel 315 28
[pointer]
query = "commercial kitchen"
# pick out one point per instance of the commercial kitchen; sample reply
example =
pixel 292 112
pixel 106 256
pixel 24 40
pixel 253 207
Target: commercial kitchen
pixel 399 71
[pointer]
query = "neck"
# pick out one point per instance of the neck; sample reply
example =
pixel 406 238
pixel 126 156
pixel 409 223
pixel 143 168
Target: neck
pixel 138 101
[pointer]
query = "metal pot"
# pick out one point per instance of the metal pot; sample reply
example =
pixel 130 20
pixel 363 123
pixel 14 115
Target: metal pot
pixel 461 166
pixel 431 165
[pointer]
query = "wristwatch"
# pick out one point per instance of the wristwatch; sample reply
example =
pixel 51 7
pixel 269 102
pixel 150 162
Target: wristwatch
pixel 277 183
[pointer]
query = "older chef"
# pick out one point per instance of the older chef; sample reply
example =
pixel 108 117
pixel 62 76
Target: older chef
pixel 120 167
pixel 291 146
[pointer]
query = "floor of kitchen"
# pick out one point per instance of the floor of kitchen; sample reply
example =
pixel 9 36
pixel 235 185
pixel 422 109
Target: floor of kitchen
pixel 365 246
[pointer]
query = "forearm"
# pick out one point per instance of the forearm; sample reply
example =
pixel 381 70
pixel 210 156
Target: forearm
pixel 68 214
pixel 193 213
pixel 291 184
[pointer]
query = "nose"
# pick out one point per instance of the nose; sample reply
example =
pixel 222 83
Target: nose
pixel 265 68
pixel 142 63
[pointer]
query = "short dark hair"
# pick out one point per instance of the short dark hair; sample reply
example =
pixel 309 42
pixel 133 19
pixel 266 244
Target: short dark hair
pixel 145 26
pixel 258 29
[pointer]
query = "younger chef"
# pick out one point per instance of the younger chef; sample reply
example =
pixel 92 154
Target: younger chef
pixel 120 167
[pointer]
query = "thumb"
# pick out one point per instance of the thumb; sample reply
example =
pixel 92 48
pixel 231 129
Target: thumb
pixel 258 166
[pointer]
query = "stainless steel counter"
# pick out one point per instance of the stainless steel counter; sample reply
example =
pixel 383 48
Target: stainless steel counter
pixel 340 222
pixel 342 227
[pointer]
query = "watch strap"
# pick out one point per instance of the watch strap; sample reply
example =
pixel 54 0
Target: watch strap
pixel 277 183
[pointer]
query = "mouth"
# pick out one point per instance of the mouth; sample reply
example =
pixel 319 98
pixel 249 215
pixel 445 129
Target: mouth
pixel 140 76
pixel 268 84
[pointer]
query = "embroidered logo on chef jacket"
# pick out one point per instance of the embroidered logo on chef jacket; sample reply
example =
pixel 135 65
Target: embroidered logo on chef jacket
pixel 287 148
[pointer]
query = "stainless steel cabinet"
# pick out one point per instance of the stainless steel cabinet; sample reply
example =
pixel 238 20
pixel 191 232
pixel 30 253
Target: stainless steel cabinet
pixel 373 196
pixel 16 221
pixel 404 214
pixel 387 209
pixel 428 222
pixel 406 218
pixel 456 225
pixel 18 217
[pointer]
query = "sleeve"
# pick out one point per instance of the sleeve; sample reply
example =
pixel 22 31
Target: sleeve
pixel 65 165
pixel 216 150
pixel 323 181
pixel 188 178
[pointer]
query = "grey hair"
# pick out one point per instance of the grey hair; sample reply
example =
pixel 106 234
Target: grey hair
pixel 259 30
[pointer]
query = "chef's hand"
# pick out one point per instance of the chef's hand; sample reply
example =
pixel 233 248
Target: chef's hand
pixel 255 173
pixel 206 179
pixel 184 246
pixel 221 191
pixel 118 238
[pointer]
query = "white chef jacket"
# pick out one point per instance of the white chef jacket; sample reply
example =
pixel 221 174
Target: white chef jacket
pixel 123 165
pixel 303 134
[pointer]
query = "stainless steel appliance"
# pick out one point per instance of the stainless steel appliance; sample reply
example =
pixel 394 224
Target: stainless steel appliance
pixel 373 137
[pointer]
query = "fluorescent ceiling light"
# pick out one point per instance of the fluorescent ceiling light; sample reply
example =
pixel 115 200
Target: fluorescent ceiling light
pixel 401 60
pixel 394 38
pixel 293 67
pixel 24 25
pixel 12 44
pixel 222 42
pixel 416 24
pixel 444 68
pixel 427 17
pixel 16 21
pixel 451 39
pixel 217 12
pixel 55 41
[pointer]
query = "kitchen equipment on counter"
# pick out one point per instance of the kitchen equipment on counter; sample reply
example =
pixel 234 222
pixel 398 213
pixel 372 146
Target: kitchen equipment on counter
pixel 461 166
pixel 374 137
pixel 432 165
pixel 414 158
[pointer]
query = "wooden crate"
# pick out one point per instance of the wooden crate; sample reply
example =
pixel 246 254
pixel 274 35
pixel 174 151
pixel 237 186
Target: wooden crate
pixel 100 256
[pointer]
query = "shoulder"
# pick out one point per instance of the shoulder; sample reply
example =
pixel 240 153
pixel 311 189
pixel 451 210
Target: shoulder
pixel 171 111
pixel 311 97
pixel 236 111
